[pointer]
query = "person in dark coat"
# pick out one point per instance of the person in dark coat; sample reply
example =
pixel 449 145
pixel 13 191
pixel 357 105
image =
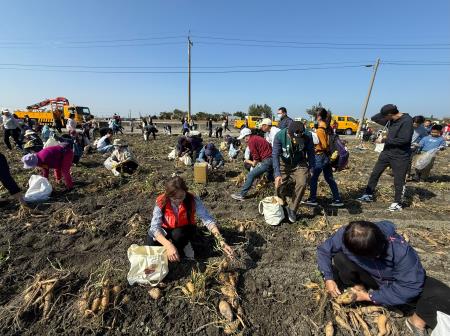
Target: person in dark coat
pixel 383 269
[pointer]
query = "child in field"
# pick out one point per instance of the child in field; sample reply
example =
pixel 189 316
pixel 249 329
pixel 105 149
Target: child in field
pixel 427 146
pixel 173 223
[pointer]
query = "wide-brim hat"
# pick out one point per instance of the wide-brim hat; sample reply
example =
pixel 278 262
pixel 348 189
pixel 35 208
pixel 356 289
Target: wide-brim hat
pixel 29 132
pixel 29 161
pixel 119 143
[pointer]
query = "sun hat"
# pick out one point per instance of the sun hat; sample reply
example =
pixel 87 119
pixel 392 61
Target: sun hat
pixel 244 132
pixel 29 161
pixel 119 143
pixel 265 121
pixel 29 132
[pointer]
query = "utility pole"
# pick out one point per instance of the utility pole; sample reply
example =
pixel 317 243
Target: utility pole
pixel 366 103
pixel 189 78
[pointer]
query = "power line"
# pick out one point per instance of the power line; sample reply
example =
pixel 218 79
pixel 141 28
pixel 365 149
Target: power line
pixel 57 46
pixel 322 46
pixel 324 43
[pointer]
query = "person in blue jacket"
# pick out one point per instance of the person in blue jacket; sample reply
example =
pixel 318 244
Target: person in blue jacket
pixel 211 155
pixel 382 268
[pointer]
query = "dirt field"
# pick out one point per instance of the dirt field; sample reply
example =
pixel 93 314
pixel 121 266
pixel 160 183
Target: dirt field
pixel 276 265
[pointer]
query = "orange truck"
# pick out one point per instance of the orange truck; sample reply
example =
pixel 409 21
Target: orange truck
pixel 48 110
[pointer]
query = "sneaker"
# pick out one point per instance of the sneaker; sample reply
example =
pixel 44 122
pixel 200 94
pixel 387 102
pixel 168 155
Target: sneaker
pixel 414 330
pixel 337 203
pixel 189 252
pixel 292 216
pixel 310 202
pixel 395 207
pixel 237 197
pixel 365 198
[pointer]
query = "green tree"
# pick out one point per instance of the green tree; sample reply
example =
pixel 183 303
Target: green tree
pixel 239 114
pixel 260 110
pixel 165 115
pixel 312 111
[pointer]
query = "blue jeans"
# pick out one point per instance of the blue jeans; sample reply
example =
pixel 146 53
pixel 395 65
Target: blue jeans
pixel 323 165
pixel 105 149
pixel 261 168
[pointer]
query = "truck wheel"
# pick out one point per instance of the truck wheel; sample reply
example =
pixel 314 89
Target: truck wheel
pixel 348 131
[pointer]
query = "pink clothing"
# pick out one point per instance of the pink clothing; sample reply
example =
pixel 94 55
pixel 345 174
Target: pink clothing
pixel 60 159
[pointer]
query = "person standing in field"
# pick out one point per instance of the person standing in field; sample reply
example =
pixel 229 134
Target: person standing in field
pixel 322 161
pixel 11 128
pixel 284 119
pixel 269 130
pixel 209 126
pixel 396 153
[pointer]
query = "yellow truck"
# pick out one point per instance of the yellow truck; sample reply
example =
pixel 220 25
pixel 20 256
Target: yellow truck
pixel 59 109
pixel 251 122
pixel 343 124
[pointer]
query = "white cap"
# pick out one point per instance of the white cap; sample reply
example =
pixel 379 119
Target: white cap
pixel 244 132
pixel 265 121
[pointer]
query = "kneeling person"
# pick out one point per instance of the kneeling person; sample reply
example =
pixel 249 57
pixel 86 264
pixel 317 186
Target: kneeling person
pixel 173 223
pixel 121 160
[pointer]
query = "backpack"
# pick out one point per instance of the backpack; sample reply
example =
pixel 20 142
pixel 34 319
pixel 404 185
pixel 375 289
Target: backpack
pixel 337 152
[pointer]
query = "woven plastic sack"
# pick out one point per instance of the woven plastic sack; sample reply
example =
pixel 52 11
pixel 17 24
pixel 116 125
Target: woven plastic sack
pixel 424 159
pixel 149 264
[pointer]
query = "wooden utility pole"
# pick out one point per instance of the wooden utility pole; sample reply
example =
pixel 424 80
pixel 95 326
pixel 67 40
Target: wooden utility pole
pixel 366 103
pixel 189 78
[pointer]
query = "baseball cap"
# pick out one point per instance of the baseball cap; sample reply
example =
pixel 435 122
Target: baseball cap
pixel 265 121
pixel 244 132
pixel 389 109
pixel 209 149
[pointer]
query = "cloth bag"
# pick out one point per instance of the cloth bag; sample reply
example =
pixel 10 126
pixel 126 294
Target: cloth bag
pixel 172 155
pixel 51 142
pixel 39 189
pixel 149 264
pixel 443 325
pixel 272 209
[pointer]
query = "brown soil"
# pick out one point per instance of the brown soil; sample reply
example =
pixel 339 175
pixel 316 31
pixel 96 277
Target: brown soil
pixel 112 213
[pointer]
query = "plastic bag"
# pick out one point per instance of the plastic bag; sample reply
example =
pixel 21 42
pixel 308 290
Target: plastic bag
pixel 424 159
pixel 51 142
pixel 186 159
pixel 172 155
pixel 272 209
pixel 149 264
pixel 379 147
pixel 39 189
pixel 443 325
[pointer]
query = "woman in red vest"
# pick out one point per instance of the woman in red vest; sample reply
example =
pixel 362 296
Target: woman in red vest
pixel 173 223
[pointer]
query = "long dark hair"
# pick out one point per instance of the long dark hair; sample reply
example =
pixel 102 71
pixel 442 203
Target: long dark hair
pixel 364 238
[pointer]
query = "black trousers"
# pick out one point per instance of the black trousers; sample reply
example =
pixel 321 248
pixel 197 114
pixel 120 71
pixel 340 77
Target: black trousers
pixel 435 295
pixel 399 167
pixel 6 178
pixel 210 132
pixel 15 134
pixel 180 237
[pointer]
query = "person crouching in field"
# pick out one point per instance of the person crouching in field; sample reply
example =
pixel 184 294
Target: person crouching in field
pixel 429 144
pixel 383 269
pixel 104 143
pixel 173 223
pixel 121 160
pixel 58 157
pixel 212 156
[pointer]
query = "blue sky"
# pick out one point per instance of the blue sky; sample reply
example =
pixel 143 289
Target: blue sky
pixel 49 32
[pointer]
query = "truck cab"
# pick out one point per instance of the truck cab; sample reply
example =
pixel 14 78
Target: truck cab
pixel 251 122
pixel 343 124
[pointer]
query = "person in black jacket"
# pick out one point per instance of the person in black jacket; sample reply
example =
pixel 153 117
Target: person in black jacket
pixel 209 126
pixel 396 152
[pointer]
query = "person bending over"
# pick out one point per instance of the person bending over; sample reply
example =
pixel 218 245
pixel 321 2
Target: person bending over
pixel 173 223
pixel 380 267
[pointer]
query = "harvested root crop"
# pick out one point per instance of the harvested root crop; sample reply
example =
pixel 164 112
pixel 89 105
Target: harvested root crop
pixel 382 325
pixel 155 293
pixel 329 329
pixel 225 310
pixel 347 297
pixel 231 328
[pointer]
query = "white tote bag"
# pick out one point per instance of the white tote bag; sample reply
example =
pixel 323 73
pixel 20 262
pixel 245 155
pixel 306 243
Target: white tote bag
pixel 443 325
pixel 149 264
pixel 39 189
pixel 172 155
pixel 272 209
pixel 186 159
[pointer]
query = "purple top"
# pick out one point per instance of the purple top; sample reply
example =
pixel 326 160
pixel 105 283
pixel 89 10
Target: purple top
pixel 52 156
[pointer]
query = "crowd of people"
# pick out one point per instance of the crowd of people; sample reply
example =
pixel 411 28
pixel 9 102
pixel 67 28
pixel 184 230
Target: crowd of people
pixel 371 259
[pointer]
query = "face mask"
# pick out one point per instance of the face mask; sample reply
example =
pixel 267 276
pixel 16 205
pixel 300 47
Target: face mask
pixel 279 116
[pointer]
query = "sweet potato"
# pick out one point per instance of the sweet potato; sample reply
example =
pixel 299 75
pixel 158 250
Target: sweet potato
pixel 155 293
pixel 228 291
pixel 329 330
pixel 342 323
pixel 116 290
pixel 105 298
pixel 371 309
pixel 83 302
pixel 70 231
pixel 95 304
pixel 125 299
pixel 47 299
pixel 346 298
pixel 225 310
pixel 190 287
pixel 363 324
pixel 381 324
pixel 231 327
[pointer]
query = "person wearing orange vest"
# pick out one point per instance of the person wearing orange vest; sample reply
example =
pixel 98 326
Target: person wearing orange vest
pixel 173 223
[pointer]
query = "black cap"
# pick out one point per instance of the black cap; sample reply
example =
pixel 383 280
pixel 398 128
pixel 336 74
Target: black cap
pixel 389 109
pixel 296 128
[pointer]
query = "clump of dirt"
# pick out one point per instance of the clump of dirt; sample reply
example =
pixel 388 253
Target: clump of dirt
pixel 86 233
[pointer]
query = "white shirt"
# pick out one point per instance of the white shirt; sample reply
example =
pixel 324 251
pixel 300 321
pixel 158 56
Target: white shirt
pixel 270 136
pixel 9 122
pixel 71 125
pixel 104 141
